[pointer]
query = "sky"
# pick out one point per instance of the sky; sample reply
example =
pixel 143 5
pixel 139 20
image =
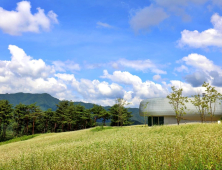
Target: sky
pixel 100 50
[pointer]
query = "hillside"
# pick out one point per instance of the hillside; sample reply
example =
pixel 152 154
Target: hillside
pixel 46 101
pixel 190 146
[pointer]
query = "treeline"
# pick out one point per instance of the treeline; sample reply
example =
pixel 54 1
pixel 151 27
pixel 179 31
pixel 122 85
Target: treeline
pixel 30 119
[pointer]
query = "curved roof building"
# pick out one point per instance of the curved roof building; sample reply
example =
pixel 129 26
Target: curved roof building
pixel 159 111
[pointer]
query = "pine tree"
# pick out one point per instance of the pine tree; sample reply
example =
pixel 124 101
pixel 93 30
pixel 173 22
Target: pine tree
pixel 5 115
pixel 19 111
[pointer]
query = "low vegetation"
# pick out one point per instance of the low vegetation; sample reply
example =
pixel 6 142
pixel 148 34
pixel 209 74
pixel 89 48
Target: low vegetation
pixel 191 146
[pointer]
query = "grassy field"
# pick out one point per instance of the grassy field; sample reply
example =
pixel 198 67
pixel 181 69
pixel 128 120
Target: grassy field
pixel 191 146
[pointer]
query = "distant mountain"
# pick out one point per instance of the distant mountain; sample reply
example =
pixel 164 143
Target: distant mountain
pixel 46 101
pixel 43 100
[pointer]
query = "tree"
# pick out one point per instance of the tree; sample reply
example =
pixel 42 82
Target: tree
pixel 35 112
pixel 99 112
pixel 201 104
pixel 178 102
pixel 144 105
pixel 121 103
pixel 207 103
pixel 19 111
pixel 73 116
pixel 105 115
pixel 61 113
pixel 47 116
pixel 120 115
pixel 5 115
pixel 211 96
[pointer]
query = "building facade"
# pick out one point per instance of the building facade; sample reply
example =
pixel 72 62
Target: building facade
pixel 159 112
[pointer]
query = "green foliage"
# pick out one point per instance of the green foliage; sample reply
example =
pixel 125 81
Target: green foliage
pixel 178 102
pixel 100 112
pixel 17 139
pixel 145 105
pixel 211 97
pixel 46 101
pixel 100 128
pixel 120 116
pixel 5 116
pixel 207 103
pixel 201 104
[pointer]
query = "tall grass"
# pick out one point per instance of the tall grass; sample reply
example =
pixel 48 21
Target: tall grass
pixel 194 146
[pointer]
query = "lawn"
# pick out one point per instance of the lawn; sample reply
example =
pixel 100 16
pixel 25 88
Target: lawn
pixel 191 146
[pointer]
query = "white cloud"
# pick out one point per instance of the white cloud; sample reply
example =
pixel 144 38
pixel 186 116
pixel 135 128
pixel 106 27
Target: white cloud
pixel 188 89
pixel 141 65
pixel 147 17
pixel 209 37
pixel 201 63
pixel 22 20
pixel 157 77
pixel 64 66
pixel 182 68
pixel 104 25
pixel 97 90
pixel 140 89
pixel 25 66
pixel 24 74
pixel 201 70
pixel 65 77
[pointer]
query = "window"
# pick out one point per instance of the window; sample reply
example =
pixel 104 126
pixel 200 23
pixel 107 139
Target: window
pixel 155 120
pixel 149 121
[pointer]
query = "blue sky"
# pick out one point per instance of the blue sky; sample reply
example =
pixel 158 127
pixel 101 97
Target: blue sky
pixel 97 51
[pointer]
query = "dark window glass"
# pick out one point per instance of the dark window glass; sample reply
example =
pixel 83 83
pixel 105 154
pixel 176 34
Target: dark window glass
pixel 155 120
pixel 149 121
pixel 161 120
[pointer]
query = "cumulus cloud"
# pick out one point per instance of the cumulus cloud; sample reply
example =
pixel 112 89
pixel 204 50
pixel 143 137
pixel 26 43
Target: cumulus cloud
pixel 197 78
pixel 22 20
pixel 201 62
pixel 24 74
pixel 209 37
pixel 23 65
pixel 157 77
pixel 216 78
pixel 181 68
pixel 203 70
pixel 64 66
pixel 140 89
pixel 141 65
pixel 147 17
pixel 188 89
pixel 66 77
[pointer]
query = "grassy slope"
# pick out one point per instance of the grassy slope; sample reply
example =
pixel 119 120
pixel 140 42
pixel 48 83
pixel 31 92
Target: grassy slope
pixel 196 146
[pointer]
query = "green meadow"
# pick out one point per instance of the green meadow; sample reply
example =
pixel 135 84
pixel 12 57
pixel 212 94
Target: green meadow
pixel 190 146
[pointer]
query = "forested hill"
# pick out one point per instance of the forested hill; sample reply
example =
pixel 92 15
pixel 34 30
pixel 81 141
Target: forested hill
pixel 43 100
pixel 46 101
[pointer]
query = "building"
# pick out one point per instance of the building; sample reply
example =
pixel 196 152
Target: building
pixel 159 112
